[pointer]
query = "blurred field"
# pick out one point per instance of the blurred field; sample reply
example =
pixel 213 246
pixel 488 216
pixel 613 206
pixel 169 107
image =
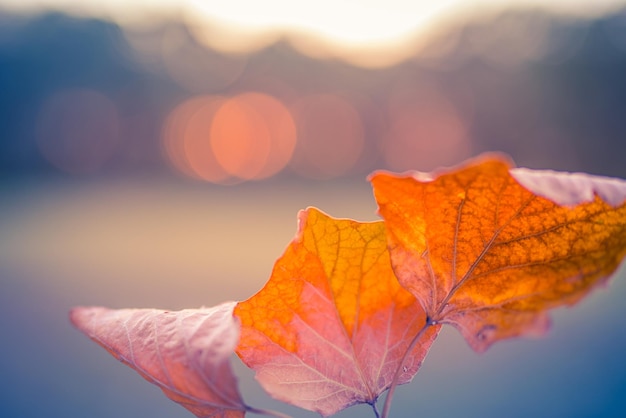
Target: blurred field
pixel 172 245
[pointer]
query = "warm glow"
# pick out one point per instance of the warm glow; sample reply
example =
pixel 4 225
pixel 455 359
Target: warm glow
pixel 281 127
pixel 197 142
pixel 426 131
pixel 186 139
pixel 253 136
pixel 366 33
pixel 330 136
pixel 371 33
pixel 239 139
pixel 78 130
pixel 250 136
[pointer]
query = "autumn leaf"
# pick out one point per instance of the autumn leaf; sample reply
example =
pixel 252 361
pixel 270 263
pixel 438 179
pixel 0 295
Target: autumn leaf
pixel 185 353
pixel 331 325
pixel 489 255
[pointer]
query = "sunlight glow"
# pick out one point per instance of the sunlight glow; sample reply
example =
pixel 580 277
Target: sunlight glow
pixel 371 33
pixel 365 32
pixel 349 21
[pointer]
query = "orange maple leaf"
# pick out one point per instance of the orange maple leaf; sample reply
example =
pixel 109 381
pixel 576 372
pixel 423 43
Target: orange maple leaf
pixel 331 326
pixel 489 256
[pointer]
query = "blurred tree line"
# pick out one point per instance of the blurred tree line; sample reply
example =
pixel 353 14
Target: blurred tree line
pixel 549 90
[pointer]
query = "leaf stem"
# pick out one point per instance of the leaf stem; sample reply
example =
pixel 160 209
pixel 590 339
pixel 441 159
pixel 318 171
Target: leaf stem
pixel 267 412
pixel 375 410
pixel 400 369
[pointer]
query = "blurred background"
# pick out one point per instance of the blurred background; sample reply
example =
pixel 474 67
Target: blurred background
pixel 154 153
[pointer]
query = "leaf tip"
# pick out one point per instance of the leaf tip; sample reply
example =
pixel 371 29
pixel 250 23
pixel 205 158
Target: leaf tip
pixel 81 316
pixel 303 214
pixel 306 216
pixel 371 177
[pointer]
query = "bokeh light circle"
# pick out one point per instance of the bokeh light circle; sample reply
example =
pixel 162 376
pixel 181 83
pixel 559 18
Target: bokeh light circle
pixel 253 136
pixel 250 136
pixel 197 142
pixel 185 132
